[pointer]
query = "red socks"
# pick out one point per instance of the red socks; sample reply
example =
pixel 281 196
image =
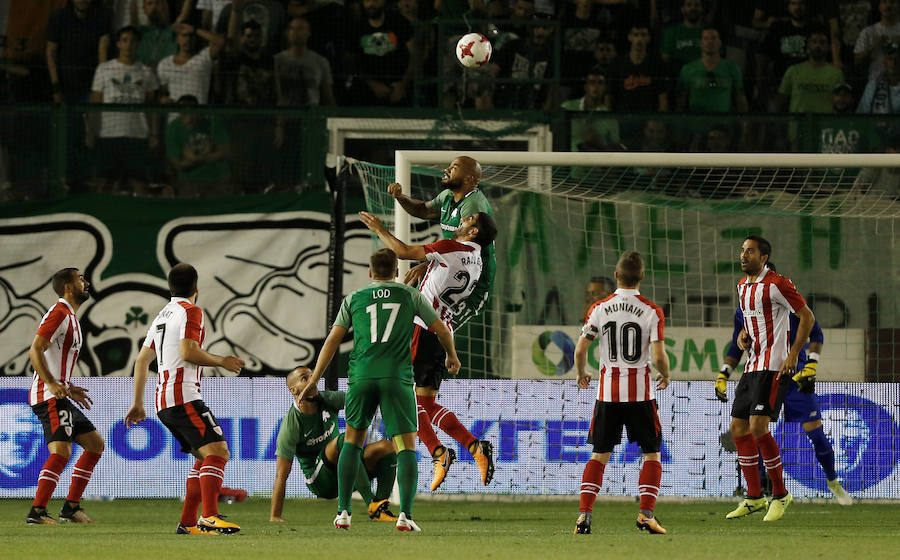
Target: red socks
pixel 748 459
pixel 426 432
pixel 81 475
pixel 772 458
pixel 212 475
pixel 591 481
pixel 48 479
pixel 193 496
pixel 445 420
pixel 648 484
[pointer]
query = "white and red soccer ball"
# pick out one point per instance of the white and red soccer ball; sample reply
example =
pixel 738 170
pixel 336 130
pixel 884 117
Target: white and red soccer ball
pixel 473 50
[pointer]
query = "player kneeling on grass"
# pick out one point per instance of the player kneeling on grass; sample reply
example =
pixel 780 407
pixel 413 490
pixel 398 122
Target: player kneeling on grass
pixel 174 340
pixel 309 431
pixel 630 328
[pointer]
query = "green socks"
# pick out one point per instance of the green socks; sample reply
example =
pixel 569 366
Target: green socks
pixel 347 470
pixel 407 478
pixel 385 473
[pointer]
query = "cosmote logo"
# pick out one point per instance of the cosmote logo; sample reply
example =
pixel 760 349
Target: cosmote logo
pixel 863 434
pixel 22 449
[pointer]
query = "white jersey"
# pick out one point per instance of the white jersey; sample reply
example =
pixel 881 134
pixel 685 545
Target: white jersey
pixel 179 381
pixel 123 84
pixel 60 326
pixel 454 268
pixel 190 78
pixel 626 323
pixel 767 302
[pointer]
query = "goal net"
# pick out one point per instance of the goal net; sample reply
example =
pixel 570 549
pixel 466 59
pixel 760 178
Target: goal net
pixel 564 220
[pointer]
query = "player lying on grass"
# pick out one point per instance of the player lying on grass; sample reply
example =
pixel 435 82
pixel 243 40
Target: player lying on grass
pixel 454 268
pixel 310 432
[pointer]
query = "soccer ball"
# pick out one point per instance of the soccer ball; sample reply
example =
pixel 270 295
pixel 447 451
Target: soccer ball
pixel 473 50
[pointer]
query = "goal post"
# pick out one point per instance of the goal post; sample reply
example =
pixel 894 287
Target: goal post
pixel 565 218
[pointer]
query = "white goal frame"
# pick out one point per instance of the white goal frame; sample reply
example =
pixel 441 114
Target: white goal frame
pixel 404 160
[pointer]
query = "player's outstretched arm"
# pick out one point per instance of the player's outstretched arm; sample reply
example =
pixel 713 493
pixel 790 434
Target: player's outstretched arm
pixel 329 348
pixel 282 471
pixel 807 319
pixel 141 370
pixel 404 251
pixel 661 361
pixel 446 338
pixel 413 207
pixel 36 354
pixel 191 352
pixel 581 352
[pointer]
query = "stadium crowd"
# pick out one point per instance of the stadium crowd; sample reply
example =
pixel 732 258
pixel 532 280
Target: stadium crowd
pixel 621 75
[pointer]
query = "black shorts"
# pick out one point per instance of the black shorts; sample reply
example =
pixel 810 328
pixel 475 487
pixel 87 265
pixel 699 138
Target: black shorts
pixel 640 419
pixel 758 394
pixel 192 424
pixel 429 359
pixel 62 420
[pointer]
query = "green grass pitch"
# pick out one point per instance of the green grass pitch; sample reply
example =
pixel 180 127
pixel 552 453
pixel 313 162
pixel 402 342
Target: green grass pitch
pixel 520 530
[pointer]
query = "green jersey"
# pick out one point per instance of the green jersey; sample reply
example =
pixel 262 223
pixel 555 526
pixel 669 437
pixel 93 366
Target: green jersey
pixel 306 435
pixel 452 213
pixel 382 315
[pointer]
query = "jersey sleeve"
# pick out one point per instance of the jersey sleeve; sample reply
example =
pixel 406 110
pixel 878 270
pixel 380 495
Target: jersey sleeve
pixel 49 326
pixel 657 325
pixel 193 324
pixel 790 294
pixel 474 204
pixel 591 327
pixel 149 341
pixel 334 399
pixel 422 308
pixel 97 82
pixel 438 201
pixel 288 437
pixel 734 351
pixel 816 334
pixel 343 316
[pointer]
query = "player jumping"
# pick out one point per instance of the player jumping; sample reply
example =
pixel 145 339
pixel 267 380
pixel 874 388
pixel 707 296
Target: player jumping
pixel 454 267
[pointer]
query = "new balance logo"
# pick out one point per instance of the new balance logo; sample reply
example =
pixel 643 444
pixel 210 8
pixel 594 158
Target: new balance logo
pixel 759 407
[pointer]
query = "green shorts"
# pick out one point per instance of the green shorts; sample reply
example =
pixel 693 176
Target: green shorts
pixel 397 400
pixel 323 481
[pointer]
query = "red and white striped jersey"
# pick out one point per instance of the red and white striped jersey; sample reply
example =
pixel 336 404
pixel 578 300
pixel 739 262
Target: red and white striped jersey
pixel 626 323
pixel 60 326
pixel 179 381
pixel 453 270
pixel 767 302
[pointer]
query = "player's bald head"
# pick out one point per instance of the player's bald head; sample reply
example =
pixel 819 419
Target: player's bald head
pixel 295 375
pixel 471 167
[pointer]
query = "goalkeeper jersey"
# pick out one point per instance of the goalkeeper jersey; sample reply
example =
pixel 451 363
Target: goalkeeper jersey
pixel 306 435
